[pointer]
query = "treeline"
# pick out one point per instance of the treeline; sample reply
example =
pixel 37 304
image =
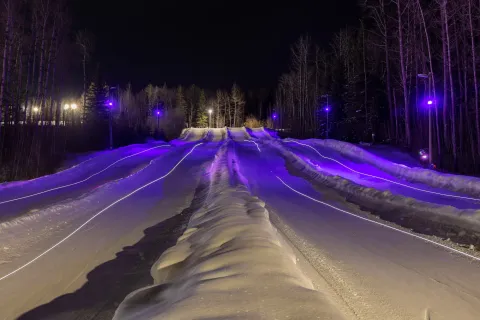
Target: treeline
pixel 43 118
pixel 406 58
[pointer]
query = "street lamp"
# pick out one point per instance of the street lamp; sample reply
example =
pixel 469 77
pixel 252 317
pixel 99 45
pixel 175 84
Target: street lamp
pixel 66 106
pixel 210 117
pixel 35 109
pixel 110 105
pixel 73 106
pixel 430 104
pixel 327 110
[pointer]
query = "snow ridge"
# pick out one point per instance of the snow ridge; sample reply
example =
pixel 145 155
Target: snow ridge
pixel 458 183
pixel 229 263
pixel 440 220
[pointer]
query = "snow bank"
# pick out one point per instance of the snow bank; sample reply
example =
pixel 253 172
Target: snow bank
pixel 445 221
pixel 238 134
pixel 194 134
pixel 259 133
pixel 216 134
pixel 230 263
pixel 464 184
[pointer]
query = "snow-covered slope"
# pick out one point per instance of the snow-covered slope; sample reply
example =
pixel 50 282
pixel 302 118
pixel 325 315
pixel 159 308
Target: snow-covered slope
pixel 445 221
pixel 216 134
pixel 465 184
pixel 230 263
pixel 259 133
pixel 194 134
pixel 238 134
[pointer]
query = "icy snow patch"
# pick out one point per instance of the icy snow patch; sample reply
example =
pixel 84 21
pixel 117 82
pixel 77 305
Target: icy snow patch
pixel 230 263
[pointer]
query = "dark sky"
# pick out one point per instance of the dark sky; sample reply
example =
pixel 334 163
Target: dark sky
pixel 209 43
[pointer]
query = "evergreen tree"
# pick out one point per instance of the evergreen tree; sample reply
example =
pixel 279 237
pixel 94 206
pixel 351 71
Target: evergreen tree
pixel 96 109
pixel 202 117
pixel 181 103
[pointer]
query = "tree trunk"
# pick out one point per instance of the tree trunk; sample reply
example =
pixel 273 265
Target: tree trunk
pixel 474 68
pixel 403 75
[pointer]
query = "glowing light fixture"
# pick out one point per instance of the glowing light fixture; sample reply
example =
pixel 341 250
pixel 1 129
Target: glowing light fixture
pixel 73 106
pixel 66 107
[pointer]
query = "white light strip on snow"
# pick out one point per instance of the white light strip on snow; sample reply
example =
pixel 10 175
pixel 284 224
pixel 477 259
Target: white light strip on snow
pixel 380 224
pixel 97 214
pixel 380 178
pixel 78 182
pixel 255 144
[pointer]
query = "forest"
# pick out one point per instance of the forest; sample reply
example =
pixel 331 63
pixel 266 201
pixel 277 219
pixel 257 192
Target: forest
pixel 406 62
pixel 405 75
pixel 43 120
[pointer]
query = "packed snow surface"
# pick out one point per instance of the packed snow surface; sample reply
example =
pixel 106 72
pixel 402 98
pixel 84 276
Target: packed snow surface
pixel 238 134
pixel 229 263
pixel 259 133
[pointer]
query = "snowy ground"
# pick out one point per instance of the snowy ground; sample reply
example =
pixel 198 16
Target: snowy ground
pixel 253 239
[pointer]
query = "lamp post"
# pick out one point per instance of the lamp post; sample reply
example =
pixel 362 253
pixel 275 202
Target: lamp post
pixel 74 107
pixel 274 117
pixel 110 106
pixel 35 111
pixel 157 113
pixel 327 110
pixel 65 108
pixel 210 117
pixel 430 103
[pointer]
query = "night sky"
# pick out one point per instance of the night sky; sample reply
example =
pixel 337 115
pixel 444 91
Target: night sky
pixel 209 43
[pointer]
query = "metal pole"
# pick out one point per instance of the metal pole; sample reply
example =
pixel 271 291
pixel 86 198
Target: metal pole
pixel 328 126
pixel 430 141
pixel 110 129
pixel 209 120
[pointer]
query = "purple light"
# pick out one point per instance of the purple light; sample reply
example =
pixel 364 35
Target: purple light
pixel 110 104
pixel 430 102
pixel 274 116
pixel 424 157
pixel 327 109
pixel 158 113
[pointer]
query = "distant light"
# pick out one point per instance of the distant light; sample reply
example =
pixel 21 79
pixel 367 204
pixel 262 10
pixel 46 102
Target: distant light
pixel 327 109
pixel 66 107
pixel 110 104
pixel 158 112
pixel 430 102
pixel 35 109
pixel 274 116
pixel 73 106
pixel 210 111
pixel 424 157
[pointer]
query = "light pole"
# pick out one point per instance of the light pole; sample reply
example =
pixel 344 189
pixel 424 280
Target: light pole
pixel 65 108
pixel 158 119
pixel 327 110
pixel 110 106
pixel 274 116
pixel 35 111
pixel 430 103
pixel 74 107
pixel 210 117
